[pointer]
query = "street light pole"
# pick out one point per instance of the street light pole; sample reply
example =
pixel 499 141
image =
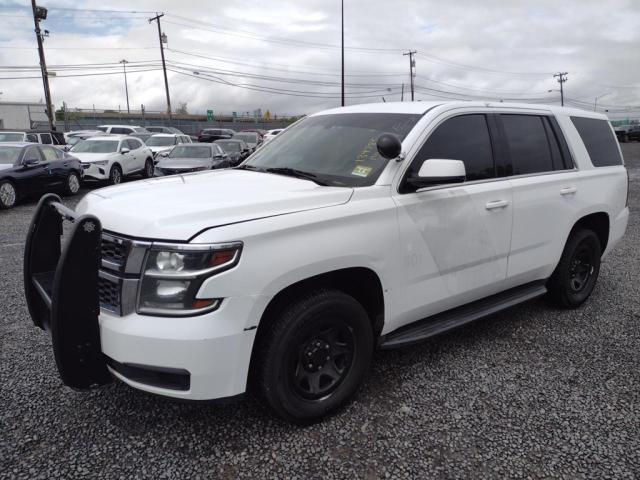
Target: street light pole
pixel 562 77
pixel 342 49
pixel 126 87
pixel 163 39
pixel 40 13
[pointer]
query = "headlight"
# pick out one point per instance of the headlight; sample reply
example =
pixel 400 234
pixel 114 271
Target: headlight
pixel 173 275
pixel 101 162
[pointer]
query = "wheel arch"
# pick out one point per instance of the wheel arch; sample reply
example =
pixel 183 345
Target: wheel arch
pixel 599 222
pixel 361 283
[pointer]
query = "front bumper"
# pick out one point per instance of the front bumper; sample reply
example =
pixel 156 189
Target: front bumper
pixel 95 172
pixel 213 350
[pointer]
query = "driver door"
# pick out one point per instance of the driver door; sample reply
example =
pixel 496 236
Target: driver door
pixel 456 237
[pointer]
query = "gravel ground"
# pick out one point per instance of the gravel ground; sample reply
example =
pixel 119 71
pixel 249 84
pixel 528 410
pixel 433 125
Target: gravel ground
pixel 532 393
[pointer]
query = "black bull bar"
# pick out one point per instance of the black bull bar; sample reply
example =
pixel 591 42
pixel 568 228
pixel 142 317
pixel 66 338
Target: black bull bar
pixel 61 290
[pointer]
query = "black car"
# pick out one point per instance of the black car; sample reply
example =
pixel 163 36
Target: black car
pixel 213 134
pixel 26 169
pixel 236 149
pixel 191 157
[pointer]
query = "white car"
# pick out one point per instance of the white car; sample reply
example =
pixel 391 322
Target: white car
pixel 362 227
pixel 121 129
pixel 164 142
pixel 112 158
pixel 271 134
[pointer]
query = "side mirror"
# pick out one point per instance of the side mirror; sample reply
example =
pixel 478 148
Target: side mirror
pixel 124 150
pixel 438 171
pixel 30 162
pixel 389 146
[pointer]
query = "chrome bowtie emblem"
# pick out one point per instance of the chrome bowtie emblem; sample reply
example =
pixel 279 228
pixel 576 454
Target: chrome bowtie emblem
pixel 89 227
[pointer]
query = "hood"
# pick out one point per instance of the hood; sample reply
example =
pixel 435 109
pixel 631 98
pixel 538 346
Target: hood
pixel 180 206
pixel 92 157
pixel 183 163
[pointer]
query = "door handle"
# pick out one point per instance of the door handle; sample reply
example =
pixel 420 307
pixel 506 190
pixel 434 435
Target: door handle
pixel 568 190
pixel 496 204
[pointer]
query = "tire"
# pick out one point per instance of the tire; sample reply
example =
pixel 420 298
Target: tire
pixel 115 175
pixel 332 332
pixel 8 195
pixel 148 169
pixel 577 272
pixel 72 185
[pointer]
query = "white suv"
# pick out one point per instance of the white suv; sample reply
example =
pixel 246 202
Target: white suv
pixel 121 129
pixel 114 157
pixel 361 227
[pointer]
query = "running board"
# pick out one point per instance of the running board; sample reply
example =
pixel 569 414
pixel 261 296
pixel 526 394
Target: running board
pixel 457 317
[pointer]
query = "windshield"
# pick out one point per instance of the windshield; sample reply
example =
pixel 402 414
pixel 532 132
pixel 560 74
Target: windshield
pixel 9 155
pixel 247 137
pixel 96 146
pixel 73 140
pixel 230 146
pixel 196 151
pixel 340 148
pixel 161 141
pixel 11 137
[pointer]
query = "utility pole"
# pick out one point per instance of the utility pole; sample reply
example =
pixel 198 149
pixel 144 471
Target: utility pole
pixel 562 77
pixel 402 94
pixel 126 87
pixel 342 12
pixel 163 38
pixel 412 65
pixel 40 13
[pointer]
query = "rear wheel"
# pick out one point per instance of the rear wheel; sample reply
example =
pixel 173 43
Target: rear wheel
pixel 148 168
pixel 314 355
pixel 72 187
pixel 575 276
pixel 8 194
pixel 115 175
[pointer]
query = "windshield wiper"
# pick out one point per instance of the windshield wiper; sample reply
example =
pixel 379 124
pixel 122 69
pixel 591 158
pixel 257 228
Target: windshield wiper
pixel 250 167
pixel 292 172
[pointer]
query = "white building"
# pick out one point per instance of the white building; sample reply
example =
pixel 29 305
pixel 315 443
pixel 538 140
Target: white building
pixel 22 115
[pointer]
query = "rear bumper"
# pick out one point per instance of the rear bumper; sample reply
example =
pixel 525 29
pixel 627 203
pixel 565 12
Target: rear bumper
pixel 617 229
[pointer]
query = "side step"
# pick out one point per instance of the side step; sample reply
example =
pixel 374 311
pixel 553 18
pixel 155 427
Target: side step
pixel 457 317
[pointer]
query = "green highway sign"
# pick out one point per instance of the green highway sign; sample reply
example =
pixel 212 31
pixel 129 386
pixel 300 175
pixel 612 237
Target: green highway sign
pixel 209 115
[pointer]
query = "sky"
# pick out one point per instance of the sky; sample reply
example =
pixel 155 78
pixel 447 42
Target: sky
pixel 284 56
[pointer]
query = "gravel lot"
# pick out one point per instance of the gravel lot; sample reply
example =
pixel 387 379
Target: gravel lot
pixel 535 392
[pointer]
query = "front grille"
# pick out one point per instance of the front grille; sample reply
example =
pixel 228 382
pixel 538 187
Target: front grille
pixel 109 295
pixel 114 250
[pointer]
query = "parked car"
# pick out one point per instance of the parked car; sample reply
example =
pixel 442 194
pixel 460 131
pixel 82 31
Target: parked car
pixel 163 129
pixel 271 134
pixel 142 136
pixel 194 157
pixel 44 137
pixel 252 139
pixel 213 134
pixel 236 149
pixel 286 273
pixel 74 137
pixel 121 129
pixel 633 135
pixel 112 158
pixel 27 169
pixel 161 142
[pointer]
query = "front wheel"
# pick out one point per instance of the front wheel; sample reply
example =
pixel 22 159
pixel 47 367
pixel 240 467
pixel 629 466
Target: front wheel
pixel 314 355
pixel 115 175
pixel 72 187
pixel 575 276
pixel 8 195
pixel 148 168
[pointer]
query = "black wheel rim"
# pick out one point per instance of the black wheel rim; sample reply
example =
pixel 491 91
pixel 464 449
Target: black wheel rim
pixel 322 360
pixel 581 267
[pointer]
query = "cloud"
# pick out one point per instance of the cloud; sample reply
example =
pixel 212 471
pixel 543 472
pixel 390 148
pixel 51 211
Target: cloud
pixel 283 45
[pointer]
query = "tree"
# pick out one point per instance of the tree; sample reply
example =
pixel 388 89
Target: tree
pixel 182 109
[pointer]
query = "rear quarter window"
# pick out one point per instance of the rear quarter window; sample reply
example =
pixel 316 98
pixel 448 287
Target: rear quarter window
pixel 599 140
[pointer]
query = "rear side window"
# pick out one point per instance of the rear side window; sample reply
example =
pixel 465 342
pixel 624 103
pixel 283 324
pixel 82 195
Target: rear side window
pixel 599 140
pixel 465 138
pixel 50 154
pixel 528 145
pixel 46 138
pixel 103 129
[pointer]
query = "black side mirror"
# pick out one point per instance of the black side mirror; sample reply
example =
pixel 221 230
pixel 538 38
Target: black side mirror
pixel 30 162
pixel 389 146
